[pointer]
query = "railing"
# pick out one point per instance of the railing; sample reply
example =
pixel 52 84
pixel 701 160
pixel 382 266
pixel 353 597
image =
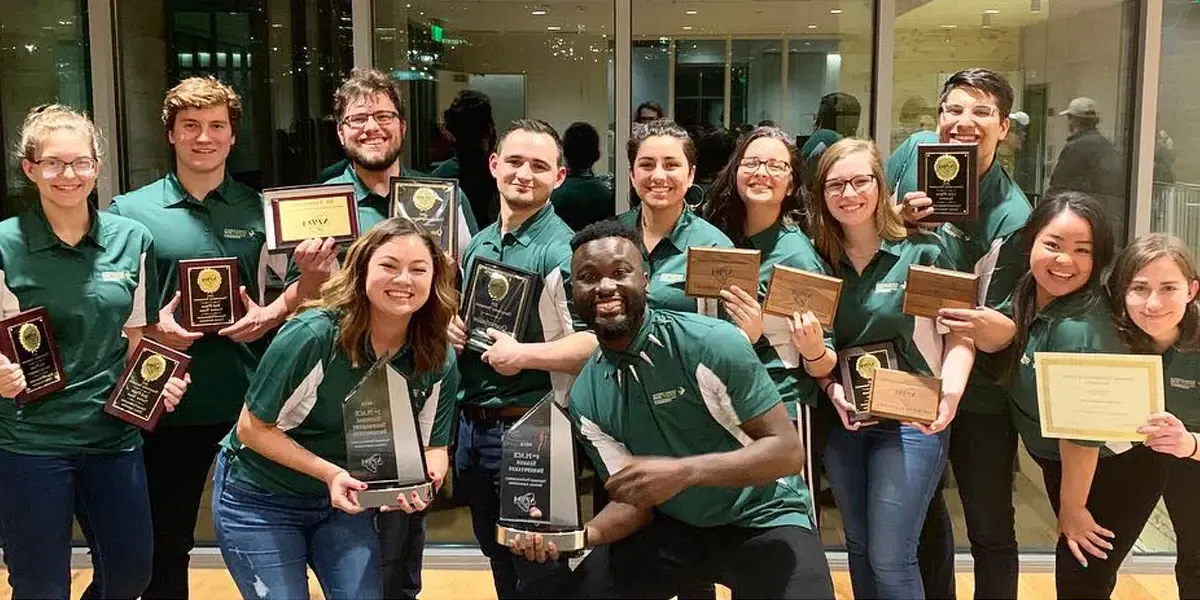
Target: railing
pixel 1175 209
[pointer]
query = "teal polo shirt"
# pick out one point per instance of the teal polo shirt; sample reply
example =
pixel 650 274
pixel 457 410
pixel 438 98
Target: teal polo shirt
pixel 784 244
pixel 684 387
pixel 989 246
pixel 227 223
pixel 300 386
pixel 542 245
pixel 583 199
pixel 667 264
pixel 92 291
pixel 1181 370
pixel 871 308
pixel 1078 322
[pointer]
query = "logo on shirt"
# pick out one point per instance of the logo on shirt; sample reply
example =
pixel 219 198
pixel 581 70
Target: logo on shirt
pixel 671 277
pixel 1183 384
pixel 667 396
pixel 1025 360
pixel 237 234
pixel 953 231
pixel 887 287
pixel 372 463
pixel 116 276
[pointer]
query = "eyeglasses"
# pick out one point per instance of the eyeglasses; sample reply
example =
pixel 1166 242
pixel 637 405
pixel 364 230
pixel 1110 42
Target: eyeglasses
pixel 978 111
pixel 860 183
pixel 382 118
pixel 83 166
pixel 774 167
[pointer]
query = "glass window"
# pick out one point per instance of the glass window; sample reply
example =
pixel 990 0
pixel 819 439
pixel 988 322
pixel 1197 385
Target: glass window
pixel 1176 202
pixel 43 58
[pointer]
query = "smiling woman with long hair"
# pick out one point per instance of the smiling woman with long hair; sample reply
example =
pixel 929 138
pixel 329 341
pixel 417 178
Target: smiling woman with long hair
pixel 281 486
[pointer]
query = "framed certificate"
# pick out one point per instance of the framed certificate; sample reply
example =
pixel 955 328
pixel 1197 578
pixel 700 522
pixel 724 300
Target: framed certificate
pixel 297 213
pixel 1097 397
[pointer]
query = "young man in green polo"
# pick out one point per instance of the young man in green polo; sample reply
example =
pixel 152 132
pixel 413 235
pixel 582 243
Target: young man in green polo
pixel 695 447
pixel 974 109
pixel 199 211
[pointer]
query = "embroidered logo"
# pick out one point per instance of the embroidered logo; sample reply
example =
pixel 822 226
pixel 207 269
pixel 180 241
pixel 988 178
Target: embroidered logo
pixel 237 234
pixel 1025 360
pixel 666 396
pixel 887 286
pixel 116 276
pixel 671 277
pixel 1183 384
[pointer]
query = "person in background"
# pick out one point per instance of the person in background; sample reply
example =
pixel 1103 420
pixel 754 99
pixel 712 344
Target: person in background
pixel 583 198
pixel 648 111
pixel 838 116
pixel 281 488
pixel 469 120
pixel 62 456
pixel 714 147
pixel 1089 163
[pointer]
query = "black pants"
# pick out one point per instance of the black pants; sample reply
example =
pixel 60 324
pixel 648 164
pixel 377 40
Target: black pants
pixel 401 550
pixel 669 555
pixel 177 464
pixel 983 451
pixel 1183 487
pixel 1124 492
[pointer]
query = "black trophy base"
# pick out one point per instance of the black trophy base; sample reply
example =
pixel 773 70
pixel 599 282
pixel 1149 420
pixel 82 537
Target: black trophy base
pixel 386 496
pixel 863 417
pixel 566 542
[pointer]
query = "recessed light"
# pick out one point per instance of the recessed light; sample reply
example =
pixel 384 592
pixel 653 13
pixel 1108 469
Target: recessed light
pixel 835 11
pixel 539 12
pixel 949 26
pixel 687 27
pixel 991 11
pixel 553 28
pixel 812 25
pixel 690 12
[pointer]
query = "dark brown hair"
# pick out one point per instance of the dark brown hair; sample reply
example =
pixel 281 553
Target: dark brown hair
pixel 981 80
pixel 725 208
pixel 660 128
pixel 363 83
pixel 1134 258
pixel 533 126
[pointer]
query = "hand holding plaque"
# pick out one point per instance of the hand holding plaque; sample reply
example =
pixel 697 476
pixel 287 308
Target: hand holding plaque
pixel 857 367
pixel 430 203
pixel 27 340
pixel 537 480
pixel 499 297
pixel 710 270
pixel 929 289
pixel 210 294
pixel 949 175
pixel 794 290
pixel 297 213
pixel 384 448
pixel 904 396
pixel 140 394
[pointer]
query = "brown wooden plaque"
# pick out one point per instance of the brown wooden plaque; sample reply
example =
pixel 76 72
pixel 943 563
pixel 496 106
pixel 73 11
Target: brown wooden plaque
pixel 794 290
pixel 209 296
pixel 904 396
pixel 27 339
pixel 139 394
pixel 929 289
pixel 710 270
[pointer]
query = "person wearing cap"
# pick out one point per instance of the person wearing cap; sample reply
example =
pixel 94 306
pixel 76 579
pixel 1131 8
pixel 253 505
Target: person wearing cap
pixel 1089 163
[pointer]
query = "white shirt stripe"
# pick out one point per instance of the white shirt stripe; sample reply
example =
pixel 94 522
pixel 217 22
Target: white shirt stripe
pixel 303 399
pixel 137 316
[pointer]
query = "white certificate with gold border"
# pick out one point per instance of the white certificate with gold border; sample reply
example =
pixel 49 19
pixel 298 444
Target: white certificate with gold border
pixel 1098 397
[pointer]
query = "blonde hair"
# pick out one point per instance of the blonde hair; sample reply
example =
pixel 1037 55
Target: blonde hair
pixel 200 93
pixel 47 118
pixel 828 235
pixel 346 294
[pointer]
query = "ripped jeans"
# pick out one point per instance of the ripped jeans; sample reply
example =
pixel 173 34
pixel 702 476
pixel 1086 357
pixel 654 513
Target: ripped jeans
pixel 268 541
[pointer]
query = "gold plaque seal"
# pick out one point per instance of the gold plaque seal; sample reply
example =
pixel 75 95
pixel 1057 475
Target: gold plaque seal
pixel 153 368
pixel 209 280
pixel 497 286
pixel 866 365
pixel 425 199
pixel 946 167
pixel 30 336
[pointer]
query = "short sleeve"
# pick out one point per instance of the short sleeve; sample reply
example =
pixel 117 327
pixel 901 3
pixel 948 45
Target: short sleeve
pixel 731 374
pixel 291 368
pixel 145 308
pixel 446 403
pixel 1010 265
pixel 564 301
pixel 607 454
pixel 467 213
pixel 898 162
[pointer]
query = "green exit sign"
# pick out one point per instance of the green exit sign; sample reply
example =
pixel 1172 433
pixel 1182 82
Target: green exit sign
pixel 436 33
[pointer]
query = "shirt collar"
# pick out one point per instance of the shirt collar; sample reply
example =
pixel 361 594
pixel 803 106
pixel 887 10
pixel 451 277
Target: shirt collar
pixel 175 194
pixel 766 239
pixel 528 230
pixel 679 233
pixel 1070 305
pixel 636 353
pixel 39 235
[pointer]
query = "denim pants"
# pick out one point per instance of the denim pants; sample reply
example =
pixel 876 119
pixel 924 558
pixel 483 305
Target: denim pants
pixel 269 539
pixel 39 495
pixel 477 477
pixel 882 478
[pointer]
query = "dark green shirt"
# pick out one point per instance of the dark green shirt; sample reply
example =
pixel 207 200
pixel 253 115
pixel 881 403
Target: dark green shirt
pixel 300 386
pixel 542 245
pixel 684 387
pixel 990 246
pixel 584 199
pixel 227 223
pixel 788 246
pixel 1181 368
pixel 1078 322
pixel 92 292
pixel 667 264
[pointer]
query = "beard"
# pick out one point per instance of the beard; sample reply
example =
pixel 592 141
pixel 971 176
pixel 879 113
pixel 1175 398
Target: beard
pixel 380 162
pixel 618 326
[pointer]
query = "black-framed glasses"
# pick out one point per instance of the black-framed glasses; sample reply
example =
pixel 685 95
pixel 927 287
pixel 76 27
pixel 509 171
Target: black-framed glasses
pixel 774 167
pixel 978 111
pixel 53 167
pixel 860 183
pixel 382 117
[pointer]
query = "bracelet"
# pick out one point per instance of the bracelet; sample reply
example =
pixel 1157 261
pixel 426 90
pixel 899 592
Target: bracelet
pixel 812 360
pixel 827 386
pixel 1195 445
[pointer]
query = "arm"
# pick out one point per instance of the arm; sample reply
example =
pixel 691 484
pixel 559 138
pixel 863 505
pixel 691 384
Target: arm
pixel 564 355
pixel 266 439
pixel 134 335
pixel 1075 521
pixel 958 357
pixel 776 451
pixel 615 522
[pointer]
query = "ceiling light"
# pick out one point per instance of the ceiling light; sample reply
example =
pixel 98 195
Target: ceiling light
pixel 687 27
pixel 690 12
pixel 991 11
pixel 1035 6
pixel 538 12
pixel 812 25
pixel 553 28
pixel 949 26
pixel 835 11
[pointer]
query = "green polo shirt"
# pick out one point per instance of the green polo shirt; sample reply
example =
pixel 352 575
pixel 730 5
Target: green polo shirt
pixel 871 308
pixel 667 264
pixel 1078 322
pixel 542 245
pixel 1181 369
pixel 583 199
pixel 785 245
pixel 227 223
pixel 989 246
pixel 92 291
pixel 300 386
pixel 684 387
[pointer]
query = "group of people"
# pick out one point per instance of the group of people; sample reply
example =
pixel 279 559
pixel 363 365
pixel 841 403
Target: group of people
pixel 704 419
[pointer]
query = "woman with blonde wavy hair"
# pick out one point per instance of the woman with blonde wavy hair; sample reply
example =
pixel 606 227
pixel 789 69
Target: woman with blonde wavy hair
pixel 281 488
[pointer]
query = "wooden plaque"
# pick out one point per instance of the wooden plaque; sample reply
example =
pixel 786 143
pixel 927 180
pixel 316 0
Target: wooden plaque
pixel 949 175
pixel 297 213
pixel 793 290
pixel 905 396
pixel 930 289
pixel 209 298
pixel 138 396
pixel 27 339
pixel 710 270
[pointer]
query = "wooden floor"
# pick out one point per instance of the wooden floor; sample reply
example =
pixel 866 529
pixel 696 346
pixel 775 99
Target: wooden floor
pixel 215 584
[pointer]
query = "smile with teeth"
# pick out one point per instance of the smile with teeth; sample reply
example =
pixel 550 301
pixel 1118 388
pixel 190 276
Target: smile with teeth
pixel 1060 274
pixel 609 306
pixel 398 295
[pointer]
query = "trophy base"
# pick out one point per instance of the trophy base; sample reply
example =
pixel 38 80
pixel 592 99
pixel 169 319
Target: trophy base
pixel 567 542
pixel 374 498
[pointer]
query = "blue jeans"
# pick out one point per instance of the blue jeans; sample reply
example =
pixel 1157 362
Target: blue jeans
pixel 105 492
pixel 268 540
pixel 882 478
pixel 477 477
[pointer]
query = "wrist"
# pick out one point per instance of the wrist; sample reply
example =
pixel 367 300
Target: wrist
pixel 1195 445
pixel 818 355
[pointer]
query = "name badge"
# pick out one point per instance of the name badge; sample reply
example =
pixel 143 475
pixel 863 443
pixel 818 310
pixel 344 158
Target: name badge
pixel 115 276
pixel 671 277
pixel 1183 384
pixel 887 287
pixel 953 231
pixel 238 234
